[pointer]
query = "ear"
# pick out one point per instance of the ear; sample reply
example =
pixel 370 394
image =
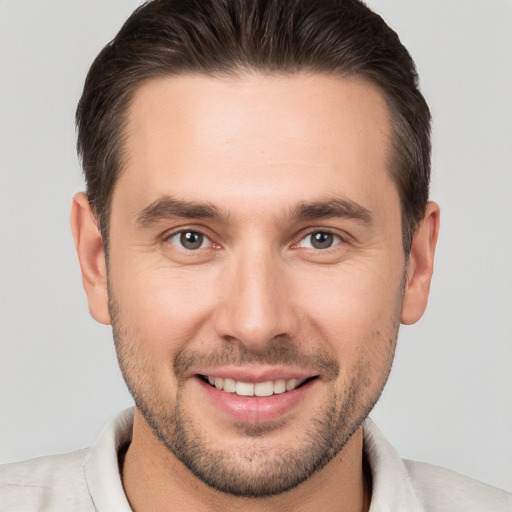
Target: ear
pixel 91 254
pixel 420 266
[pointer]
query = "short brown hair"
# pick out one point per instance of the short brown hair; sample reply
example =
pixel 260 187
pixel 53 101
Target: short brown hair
pixel 219 37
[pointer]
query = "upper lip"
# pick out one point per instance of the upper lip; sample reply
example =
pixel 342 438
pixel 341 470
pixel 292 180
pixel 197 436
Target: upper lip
pixel 256 374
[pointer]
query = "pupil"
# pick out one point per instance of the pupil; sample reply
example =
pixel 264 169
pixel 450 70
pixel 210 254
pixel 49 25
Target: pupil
pixel 322 240
pixel 191 240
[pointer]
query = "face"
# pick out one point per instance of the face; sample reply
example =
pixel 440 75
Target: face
pixel 256 271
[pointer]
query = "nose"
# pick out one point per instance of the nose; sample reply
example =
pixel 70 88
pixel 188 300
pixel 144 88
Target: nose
pixel 256 306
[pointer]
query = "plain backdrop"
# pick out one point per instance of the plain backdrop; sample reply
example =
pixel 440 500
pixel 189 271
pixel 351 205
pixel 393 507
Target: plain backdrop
pixel 449 400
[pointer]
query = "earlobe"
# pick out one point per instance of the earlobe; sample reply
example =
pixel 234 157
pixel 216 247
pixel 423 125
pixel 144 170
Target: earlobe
pixel 91 254
pixel 420 266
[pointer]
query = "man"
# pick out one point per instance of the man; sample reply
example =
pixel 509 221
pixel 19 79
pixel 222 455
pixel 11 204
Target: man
pixel 256 226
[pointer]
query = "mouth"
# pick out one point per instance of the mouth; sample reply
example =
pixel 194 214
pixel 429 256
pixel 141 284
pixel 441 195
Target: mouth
pixel 255 389
pixel 257 396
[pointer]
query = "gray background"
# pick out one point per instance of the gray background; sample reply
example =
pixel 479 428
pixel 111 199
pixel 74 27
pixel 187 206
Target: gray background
pixel 449 400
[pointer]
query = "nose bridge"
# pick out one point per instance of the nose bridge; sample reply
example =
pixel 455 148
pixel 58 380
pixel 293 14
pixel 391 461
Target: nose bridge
pixel 256 307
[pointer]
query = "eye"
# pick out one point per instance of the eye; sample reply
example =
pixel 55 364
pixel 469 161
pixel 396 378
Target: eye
pixel 320 240
pixel 189 240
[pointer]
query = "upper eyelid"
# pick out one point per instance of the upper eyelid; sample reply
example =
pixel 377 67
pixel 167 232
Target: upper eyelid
pixel 183 229
pixel 342 240
pixel 310 231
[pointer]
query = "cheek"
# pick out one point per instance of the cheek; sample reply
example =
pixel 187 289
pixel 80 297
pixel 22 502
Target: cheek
pixel 358 318
pixel 164 309
pixel 354 308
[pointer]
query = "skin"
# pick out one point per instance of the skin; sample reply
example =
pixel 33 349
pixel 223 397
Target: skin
pixel 256 296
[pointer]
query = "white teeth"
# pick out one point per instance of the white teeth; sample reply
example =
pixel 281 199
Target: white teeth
pixel 291 384
pixel 267 388
pixel 264 388
pixel 229 385
pixel 244 389
pixel 279 386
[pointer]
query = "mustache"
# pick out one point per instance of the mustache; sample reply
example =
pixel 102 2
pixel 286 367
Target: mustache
pixel 279 353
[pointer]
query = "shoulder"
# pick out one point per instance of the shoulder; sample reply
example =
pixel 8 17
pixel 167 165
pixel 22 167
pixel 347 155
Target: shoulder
pixel 82 481
pixel 54 482
pixel 443 490
pixel 406 486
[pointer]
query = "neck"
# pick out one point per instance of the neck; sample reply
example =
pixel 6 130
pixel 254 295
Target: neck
pixel 154 480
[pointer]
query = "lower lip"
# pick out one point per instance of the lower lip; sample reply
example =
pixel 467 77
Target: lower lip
pixel 256 410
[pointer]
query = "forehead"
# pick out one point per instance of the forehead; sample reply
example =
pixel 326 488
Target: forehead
pixel 256 137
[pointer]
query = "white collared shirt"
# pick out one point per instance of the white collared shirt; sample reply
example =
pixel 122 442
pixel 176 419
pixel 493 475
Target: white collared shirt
pixel 89 480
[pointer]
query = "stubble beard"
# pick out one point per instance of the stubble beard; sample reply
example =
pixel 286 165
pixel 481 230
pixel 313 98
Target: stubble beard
pixel 257 472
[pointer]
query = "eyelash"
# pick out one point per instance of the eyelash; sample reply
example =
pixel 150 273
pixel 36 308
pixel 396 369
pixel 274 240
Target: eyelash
pixel 324 231
pixel 337 239
pixel 184 232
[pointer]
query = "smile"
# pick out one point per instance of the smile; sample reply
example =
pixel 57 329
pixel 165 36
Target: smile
pixel 240 388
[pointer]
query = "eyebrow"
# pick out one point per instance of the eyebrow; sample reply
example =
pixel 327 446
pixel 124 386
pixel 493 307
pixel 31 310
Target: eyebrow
pixel 343 208
pixel 169 207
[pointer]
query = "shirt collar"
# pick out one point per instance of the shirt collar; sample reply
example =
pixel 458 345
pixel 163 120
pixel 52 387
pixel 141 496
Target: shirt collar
pixel 392 490
pixel 101 465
